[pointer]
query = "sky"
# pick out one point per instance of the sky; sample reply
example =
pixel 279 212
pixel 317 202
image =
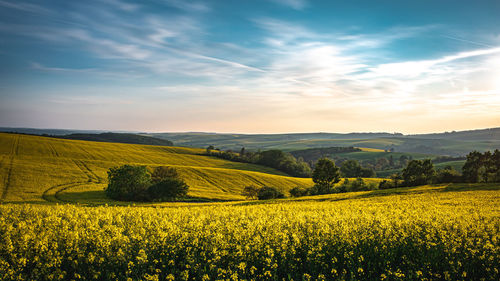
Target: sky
pixel 273 66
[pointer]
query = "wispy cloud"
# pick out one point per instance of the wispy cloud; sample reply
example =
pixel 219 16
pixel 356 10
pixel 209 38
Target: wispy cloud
pixel 173 58
pixel 294 4
pixel 26 7
pixel 191 6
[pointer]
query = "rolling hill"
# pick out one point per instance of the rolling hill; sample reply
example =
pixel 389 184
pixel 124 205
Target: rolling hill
pixel 118 137
pixel 40 169
pixel 452 144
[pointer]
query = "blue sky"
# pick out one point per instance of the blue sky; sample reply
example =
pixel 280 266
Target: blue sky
pixel 250 66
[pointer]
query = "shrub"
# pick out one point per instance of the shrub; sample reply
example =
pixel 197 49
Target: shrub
pixel 267 192
pixel 162 172
pixel 448 175
pixel 134 183
pixel 299 191
pixel 250 192
pixel 386 184
pixel 358 185
pixel 167 189
pixel 128 183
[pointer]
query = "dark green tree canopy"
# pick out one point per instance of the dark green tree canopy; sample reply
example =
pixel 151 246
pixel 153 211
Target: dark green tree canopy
pixel 268 192
pixel 128 183
pixel 325 175
pixel 482 167
pixel 134 183
pixel 352 169
pixel 418 172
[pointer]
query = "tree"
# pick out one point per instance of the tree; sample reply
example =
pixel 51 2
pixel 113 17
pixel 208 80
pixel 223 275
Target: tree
pixel 471 166
pixel 298 191
pixel 210 148
pixel 482 167
pixel 168 189
pixel 134 183
pixel 448 175
pixel 128 183
pixel 162 172
pixel 418 172
pixel 350 169
pixel 396 179
pixel 267 192
pixel 250 192
pixel 325 175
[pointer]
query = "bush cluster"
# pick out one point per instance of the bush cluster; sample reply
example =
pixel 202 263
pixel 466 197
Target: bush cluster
pixel 135 183
pixel 262 193
pixel 275 158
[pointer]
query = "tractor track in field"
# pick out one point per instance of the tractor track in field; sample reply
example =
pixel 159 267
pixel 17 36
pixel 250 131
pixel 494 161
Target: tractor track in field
pixel 13 152
pixel 47 197
pixel 53 150
pixel 59 188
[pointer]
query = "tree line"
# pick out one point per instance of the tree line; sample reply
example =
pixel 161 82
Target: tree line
pixel 275 158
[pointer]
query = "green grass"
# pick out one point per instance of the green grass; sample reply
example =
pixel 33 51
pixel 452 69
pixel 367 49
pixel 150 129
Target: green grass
pixel 39 169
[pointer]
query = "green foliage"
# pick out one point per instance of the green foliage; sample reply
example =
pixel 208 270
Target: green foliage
pixel 168 189
pixel 268 192
pixel 134 183
pixel 325 175
pixel 128 183
pixel 386 184
pixel 271 158
pixel 250 192
pixel 482 167
pixel 163 172
pixel 352 169
pixel 418 172
pixel 299 191
pixel 357 184
pixel 448 175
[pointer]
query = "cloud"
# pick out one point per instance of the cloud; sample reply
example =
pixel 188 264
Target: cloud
pixel 416 68
pixel 294 4
pixel 172 64
pixel 122 5
pixel 26 7
pixel 191 6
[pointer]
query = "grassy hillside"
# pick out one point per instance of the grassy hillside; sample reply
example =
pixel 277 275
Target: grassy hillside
pixel 445 232
pixel 454 144
pixel 40 169
pixel 118 137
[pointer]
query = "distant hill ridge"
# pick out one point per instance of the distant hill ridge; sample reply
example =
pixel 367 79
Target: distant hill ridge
pixel 449 143
pixel 119 137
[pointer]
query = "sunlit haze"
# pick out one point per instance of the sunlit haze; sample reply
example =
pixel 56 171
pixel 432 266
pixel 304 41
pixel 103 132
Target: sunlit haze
pixel 250 66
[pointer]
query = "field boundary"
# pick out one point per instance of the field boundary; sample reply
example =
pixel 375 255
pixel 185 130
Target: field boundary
pixel 14 151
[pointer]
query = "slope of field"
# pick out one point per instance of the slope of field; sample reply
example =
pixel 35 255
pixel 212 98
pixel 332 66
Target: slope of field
pixel 445 232
pixel 39 169
pixel 118 137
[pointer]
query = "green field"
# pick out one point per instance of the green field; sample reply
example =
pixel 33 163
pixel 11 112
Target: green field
pixel 453 144
pixel 39 169
pixel 446 232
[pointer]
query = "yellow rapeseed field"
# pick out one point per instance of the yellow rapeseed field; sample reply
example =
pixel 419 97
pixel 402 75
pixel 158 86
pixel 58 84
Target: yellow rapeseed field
pixel 426 233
